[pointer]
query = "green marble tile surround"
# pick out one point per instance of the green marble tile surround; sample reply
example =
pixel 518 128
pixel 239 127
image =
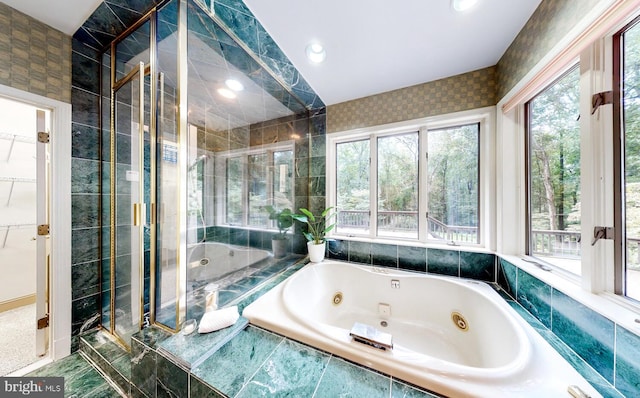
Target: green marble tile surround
pixel 606 354
pixel 80 378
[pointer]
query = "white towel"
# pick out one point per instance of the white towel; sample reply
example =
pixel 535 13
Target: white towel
pixel 219 319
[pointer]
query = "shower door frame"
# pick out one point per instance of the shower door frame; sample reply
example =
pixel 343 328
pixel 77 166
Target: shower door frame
pixel 139 209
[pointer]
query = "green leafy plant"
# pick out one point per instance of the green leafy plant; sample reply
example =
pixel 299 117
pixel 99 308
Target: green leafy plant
pixel 283 220
pixel 317 226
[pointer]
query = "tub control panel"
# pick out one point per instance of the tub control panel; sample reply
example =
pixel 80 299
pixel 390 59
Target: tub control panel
pixel 395 284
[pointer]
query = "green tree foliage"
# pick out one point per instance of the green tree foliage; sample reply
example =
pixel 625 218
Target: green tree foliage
pixel 554 148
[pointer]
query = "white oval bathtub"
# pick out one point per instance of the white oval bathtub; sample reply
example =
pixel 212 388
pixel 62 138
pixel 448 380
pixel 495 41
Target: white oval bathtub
pixel 212 260
pixel 497 355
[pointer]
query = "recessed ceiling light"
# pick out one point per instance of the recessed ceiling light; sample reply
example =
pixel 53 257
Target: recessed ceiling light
pixel 225 92
pixel 234 85
pixel 463 5
pixel 315 52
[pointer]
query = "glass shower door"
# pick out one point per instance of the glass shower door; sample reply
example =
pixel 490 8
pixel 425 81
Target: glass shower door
pixel 130 187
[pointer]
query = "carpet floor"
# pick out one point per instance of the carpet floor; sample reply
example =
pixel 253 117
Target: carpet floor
pixel 17 339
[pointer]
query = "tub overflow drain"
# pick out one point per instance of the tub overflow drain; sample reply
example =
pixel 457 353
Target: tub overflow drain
pixel 337 298
pixel 459 321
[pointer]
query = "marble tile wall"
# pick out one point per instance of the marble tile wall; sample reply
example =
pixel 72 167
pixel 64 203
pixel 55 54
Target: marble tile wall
pixel 480 266
pixel 90 231
pixel 610 349
pixel 34 57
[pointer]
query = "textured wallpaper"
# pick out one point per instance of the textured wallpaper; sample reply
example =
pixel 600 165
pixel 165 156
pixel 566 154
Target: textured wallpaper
pixel 552 20
pixel 471 90
pixel 33 56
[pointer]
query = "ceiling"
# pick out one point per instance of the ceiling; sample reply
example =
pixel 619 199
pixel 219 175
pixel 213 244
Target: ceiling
pixel 372 46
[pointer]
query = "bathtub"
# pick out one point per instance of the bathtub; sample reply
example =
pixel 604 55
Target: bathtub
pixel 453 336
pixel 212 260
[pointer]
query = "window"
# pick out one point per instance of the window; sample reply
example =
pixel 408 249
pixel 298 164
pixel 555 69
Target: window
pixel 554 173
pixel 628 277
pixel 453 184
pixel 254 179
pixel 384 185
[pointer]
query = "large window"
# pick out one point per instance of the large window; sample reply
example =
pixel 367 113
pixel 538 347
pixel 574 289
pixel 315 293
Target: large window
pixel 554 173
pixel 629 262
pixel 420 183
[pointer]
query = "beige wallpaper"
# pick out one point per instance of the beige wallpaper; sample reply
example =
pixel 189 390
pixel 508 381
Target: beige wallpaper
pixel 471 90
pixel 33 56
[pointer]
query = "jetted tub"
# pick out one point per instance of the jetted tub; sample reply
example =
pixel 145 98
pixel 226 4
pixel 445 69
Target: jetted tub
pixel 212 260
pixel 453 336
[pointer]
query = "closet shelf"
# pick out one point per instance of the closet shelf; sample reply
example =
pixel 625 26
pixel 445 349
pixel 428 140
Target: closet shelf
pixel 8 227
pixel 17 138
pixel 16 179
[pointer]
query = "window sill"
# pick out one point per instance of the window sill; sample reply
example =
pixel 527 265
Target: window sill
pixel 415 243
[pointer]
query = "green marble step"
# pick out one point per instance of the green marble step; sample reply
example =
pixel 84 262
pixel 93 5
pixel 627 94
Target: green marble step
pixel 109 357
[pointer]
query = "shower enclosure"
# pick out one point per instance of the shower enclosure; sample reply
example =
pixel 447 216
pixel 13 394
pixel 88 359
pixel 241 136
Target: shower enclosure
pixel 199 137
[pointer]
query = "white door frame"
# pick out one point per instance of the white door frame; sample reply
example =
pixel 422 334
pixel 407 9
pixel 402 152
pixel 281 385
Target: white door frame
pixel 60 218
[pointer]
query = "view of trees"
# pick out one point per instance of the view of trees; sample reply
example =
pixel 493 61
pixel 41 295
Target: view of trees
pixel 554 150
pixel 451 182
pixel 453 175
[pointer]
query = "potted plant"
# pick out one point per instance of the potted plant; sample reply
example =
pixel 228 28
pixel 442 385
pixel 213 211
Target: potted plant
pixel 317 228
pixel 284 221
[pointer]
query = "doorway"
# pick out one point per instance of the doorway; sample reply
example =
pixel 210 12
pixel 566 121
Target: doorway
pixel 24 248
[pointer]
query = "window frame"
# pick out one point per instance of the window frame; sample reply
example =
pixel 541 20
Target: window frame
pixel 484 117
pixel 221 183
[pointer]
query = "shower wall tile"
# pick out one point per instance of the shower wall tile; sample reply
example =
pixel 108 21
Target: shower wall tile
pixel 85 142
pixel 588 333
pixel 384 255
pixel 85 313
pixel 479 266
pixel 627 362
pixel 85 176
pixel 86 210
pixel 85 279
pixel 535 296
pixel 86 245
pixel 412 258
pixel 85 69
pixel 444 262
pixel 86 107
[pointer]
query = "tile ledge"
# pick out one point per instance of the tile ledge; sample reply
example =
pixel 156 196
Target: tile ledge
pixel 610 306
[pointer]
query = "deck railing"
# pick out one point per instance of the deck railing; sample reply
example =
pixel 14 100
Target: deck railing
pixel 564 244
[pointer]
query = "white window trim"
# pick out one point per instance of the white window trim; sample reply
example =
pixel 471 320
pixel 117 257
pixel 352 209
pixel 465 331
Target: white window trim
pixel 486 211
pixel 590 40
